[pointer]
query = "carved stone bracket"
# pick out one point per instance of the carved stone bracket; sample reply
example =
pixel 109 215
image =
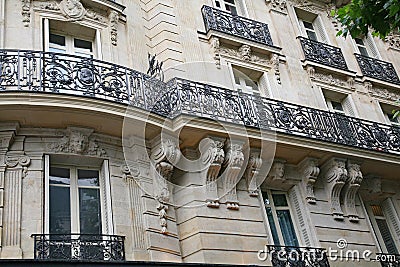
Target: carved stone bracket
pixel 164 155
pixel 355 178
pixel 26 12
pixel 335 173
pixel 78 141
pixel 233 167
pixel 213 157
pixel 309 169
pixel 114 18
pixel 252 173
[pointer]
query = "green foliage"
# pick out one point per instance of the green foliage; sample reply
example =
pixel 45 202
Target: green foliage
pixel 382 17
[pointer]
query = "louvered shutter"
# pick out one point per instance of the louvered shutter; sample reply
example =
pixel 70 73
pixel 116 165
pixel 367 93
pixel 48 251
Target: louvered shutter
pixel 320 30
pixel 371 47
pixel 263 86
pixel 349 107
pixel 242 8
pixel 393 222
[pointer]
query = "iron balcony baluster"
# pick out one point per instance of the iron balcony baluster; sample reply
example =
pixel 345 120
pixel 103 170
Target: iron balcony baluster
pixel 377 69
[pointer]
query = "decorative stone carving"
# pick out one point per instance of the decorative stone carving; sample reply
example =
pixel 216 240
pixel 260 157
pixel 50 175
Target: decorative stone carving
pixel 393 40
pixel 252 172
pixel 277 5
pixel 164 155
pixel 355 178
pixel 335 173
pixel 310 171
pixel 129 172
pixel 277 172
pixel 13 160
pixel 233 166
pixel 368 86
pixel 114 18
pixel 330 79
pixel 384 93
pixel 374 189
pixel 72 9
pixel 213 156
pixel 26 12
pixel 78 141
pixel 214 41
pixel 306 5
pixel 245 52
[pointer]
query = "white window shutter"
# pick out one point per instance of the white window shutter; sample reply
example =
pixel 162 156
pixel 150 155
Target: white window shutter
pixel 263 86
pixel 348 106
pixel 392 219
pixel 319 28
pixel 105 193
pixel 298 213
pixel 241 8
pixel 371 47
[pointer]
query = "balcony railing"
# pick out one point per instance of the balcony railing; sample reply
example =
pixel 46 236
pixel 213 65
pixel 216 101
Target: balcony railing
pixel 377 69
pixel 282 256
pixel 389 260
pixel 65 74
pixel 79 247
pixel 323 54
pixel 225 22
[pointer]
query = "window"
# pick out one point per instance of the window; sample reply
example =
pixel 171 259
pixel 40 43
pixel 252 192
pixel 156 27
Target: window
pixel 339 103
pixel 366 46
pixel 388 114
pixel 74 201
pixel 279 218
pixel 71 39
pixel 385 223
pixel 250 81
pixel 227 5
pixel 311 26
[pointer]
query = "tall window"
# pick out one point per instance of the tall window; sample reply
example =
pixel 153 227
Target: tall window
pixel 388 114
pixel 279 218
pixel 250 81
pixel 74 201
pixel 366 46
pixel 385 222
pixel 227 5
pixel 311 26
pixel 339 103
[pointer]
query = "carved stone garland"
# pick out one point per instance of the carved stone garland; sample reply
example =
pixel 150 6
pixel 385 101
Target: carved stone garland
pixel 164 155
pixel 233 166
pixel 26 12
pixel 277 5
pixel 336 176
pixel 214 157
pixel 354 183
pixel 252 172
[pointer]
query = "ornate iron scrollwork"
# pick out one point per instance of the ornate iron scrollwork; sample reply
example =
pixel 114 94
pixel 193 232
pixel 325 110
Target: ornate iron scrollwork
pixel 225 22
pixel 323 54
pixel 282 256
pixel 79 247
pixel 377 69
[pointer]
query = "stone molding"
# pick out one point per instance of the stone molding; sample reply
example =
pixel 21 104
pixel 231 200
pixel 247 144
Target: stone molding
pixel 388 94
pixel 26 12
pixel 78 140
pixel 213 157
pixel 329 79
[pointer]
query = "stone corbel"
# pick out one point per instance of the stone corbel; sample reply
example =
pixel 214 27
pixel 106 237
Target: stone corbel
pixel 26 12
pixel 164 155
pixel 335 173
pixel 309 170
pixel 215 45
pixel 213 157
pixel 252 173
pixel 355 178
pixel 113 22
pixel 233 172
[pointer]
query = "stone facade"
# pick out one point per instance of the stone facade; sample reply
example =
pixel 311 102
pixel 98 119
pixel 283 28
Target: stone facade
pixel 187 186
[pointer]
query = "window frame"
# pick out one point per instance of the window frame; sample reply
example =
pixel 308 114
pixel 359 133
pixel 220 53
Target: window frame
pixel 289 207
pixel 368 44
pixel 104 188
pixel 315 20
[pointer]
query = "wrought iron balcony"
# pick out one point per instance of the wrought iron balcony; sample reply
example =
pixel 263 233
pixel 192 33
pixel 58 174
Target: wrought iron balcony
pixel 79 247
pixel 323 53
pixel 389 260
pixel 377 69
pixel 282 256
pixel 225 22
pixel 64 74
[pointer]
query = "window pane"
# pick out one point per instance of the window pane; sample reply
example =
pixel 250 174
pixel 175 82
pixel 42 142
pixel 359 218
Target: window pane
pixel 285 222
pixel 266 199
pixel 88 178
pixel 279 200
pixel 59 176
pixel 308 25
pixel 218 4
pixel 89 211
pixel 231 9
pixel 359 41
pixel 312 36
pixel 78 43
pixel 387 236
pixel 60 210
pixel 57 39
pixel 363 51
pixel 272 226
pixel 337 105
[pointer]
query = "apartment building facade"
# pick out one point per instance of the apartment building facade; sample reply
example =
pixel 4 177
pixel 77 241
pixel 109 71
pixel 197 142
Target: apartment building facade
pixel 211 131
